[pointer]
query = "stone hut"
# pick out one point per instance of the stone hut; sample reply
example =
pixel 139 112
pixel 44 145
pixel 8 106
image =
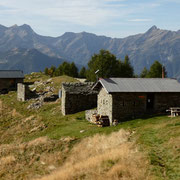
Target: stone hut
pixel 78 97
pixel 24 93
pixel 9 79
pixel 122 98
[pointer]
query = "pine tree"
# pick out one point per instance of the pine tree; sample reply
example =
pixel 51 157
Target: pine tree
pixel 82 73
pixel 144 73
pixel 127 69
pixel 52 70
pixel 156 70
pixel 73 70
pixel 46 71
pixel 105 62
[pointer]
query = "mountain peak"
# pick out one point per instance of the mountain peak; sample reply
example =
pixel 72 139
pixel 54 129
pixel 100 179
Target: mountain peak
pixel 86 33
pixel 14 26
pixel 26 26
pixel 152 29
pixel 22 27
pixel 68 35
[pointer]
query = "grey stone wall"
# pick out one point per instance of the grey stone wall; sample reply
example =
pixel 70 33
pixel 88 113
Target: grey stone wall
pixel 164 101
pixel 121 106
pixel 90 113
pixel 105 104
pixel 77 99
pixel 63 101
pixel 73 103
pixel 128 105
pixel 21 92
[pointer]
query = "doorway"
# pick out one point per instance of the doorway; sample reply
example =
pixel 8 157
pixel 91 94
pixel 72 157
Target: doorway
pixel 150 101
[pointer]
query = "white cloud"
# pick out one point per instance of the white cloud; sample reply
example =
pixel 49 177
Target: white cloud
pixel 83 12
pixel 140 20
pixel 170 1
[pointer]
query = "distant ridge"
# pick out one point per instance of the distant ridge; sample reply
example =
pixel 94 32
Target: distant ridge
pixel 28 60
pixel 143 49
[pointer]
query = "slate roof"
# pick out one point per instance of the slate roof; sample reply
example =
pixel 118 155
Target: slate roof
pixel 79 88
pixel 11 74
pixel 113 85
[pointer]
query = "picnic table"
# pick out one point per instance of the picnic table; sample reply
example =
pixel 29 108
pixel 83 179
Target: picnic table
pixel 175 111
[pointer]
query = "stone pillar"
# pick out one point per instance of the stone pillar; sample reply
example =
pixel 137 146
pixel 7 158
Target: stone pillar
pixel 21 92
pixel 63 102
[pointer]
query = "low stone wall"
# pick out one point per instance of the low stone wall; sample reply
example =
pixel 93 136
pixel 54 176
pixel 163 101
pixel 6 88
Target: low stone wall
pixel 89 114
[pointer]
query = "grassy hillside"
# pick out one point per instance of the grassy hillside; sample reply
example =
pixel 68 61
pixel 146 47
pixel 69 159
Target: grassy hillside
pixel 35 143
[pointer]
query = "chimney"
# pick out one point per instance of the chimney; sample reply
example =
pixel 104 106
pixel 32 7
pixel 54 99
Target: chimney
pixel 163 73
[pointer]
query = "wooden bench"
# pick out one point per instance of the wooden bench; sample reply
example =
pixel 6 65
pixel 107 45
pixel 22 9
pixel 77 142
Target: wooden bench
pixel 175 111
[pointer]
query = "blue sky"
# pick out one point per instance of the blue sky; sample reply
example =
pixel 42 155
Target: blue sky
pixel 115 18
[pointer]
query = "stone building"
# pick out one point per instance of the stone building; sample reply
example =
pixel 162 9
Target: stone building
pixel 24 93
pixel 122 98
pixel 9 79
pixel 78 97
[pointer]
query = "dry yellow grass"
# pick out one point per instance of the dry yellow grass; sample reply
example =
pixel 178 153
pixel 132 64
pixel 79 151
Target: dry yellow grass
pixel 35 158
pixel 7 160
pixel 15 113
pixel 104 157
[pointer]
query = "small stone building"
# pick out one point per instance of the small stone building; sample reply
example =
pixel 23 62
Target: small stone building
pixel 24 93
pixel 78 97
pixel 10 78
pixel 122 98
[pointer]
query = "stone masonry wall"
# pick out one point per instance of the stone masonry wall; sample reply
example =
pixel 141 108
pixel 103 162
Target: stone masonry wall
pixel 105 104
pixel 164 101
pixel 122 106
pixel 73 103
pixel 63 101
pixel 23 92
pixel 132 105
pixel 128 105
pixel 90 113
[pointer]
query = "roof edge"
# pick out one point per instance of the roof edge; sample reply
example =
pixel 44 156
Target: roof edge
pixel 96 86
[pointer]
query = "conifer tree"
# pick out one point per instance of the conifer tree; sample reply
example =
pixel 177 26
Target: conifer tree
pixel 82 73
pixel 156 70
pixel 105 62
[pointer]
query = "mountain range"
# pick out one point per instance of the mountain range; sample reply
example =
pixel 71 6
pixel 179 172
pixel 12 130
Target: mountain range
pixel 21 47
pixel 28 60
